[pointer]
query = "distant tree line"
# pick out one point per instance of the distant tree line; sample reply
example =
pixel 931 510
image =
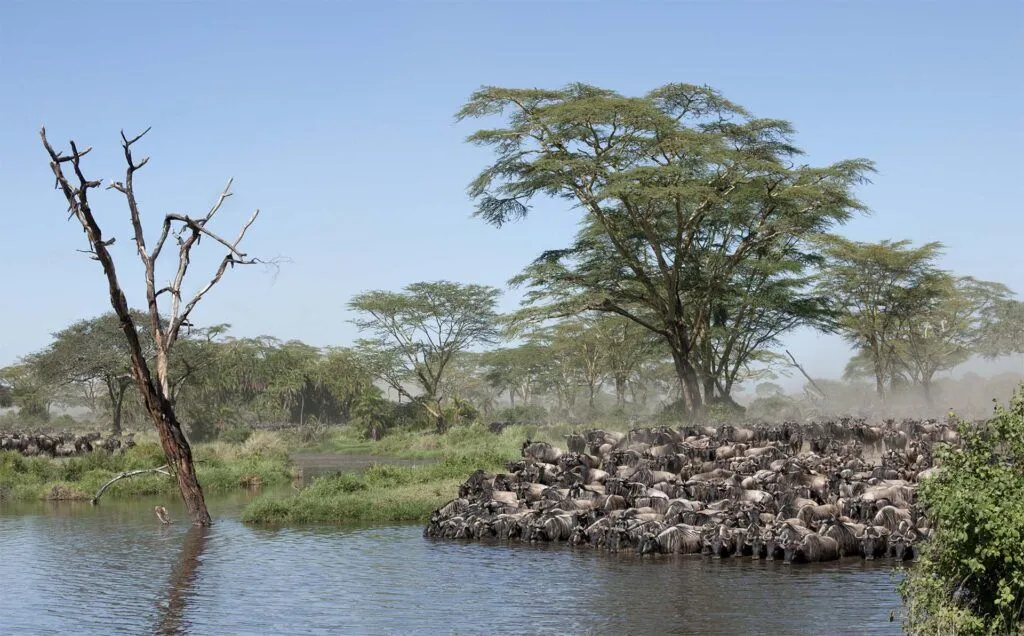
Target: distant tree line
pixel 703 241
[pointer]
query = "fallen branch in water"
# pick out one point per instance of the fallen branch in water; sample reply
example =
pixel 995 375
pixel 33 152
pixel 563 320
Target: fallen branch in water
pixel 163 470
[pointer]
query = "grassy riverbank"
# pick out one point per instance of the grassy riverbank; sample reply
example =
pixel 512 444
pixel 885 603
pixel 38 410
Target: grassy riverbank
pixel 392 493
pixel 463 440
pixel 261 460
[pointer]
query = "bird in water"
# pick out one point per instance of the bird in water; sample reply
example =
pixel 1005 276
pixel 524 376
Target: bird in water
pixel 161 514
pixel 892 615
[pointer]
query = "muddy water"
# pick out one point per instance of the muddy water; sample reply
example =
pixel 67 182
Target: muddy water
pixel 112 569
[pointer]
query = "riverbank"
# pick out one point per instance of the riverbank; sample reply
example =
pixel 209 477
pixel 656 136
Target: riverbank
pixel 262 460
pixel 388 493
pixel 472 439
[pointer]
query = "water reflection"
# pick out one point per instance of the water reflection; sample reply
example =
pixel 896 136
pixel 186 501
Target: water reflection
pixel 113 569
pixel 181 587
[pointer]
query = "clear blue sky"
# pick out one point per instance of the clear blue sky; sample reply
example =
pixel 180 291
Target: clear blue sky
pixel 336 119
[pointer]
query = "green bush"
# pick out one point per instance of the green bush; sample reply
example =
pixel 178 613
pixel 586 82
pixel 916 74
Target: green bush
pixel 523 414
pixel 235 434
pixel 969 577
pixel 262 460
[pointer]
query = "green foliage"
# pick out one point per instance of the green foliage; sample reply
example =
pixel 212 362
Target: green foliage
pixel 1002 329
pixel 29 391
pixel 523 414
pixel 383 493
pixel 418 332
pixel 773 408
pixel 696 216
pixel 969 577
pixel 6 400
pixel 876 289
pixel 235 434
pixel 262 460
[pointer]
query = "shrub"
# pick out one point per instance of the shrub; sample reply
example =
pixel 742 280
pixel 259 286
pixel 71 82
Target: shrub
pixel 235 434
pixel 523 414
pixel 969 577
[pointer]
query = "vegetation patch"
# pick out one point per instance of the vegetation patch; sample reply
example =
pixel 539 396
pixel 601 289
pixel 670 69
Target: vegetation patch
pixel 261 461
pixel 969 578
pixel 383 493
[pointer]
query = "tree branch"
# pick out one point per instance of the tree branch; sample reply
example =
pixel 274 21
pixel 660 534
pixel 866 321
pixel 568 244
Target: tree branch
pixel 804 373
pixel 163 470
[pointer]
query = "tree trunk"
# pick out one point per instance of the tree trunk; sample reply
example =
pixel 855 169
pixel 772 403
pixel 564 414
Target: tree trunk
pixel 876 359
pixel 709 388
pixel 620 390
pixel 118 407
pixel 926 385
pixel 179 456
pixel 687 374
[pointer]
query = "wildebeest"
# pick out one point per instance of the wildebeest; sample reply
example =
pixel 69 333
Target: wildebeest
pixel 728 491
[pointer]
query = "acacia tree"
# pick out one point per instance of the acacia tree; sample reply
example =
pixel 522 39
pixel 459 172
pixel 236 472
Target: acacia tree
pixel 1002 329
pixel 27 390
pixel 418 332
pixel 581 344
pixel 92 351
pixel 519 370
pixel 154 384
pixel 947 332
pixel 876 290
pixel 679 189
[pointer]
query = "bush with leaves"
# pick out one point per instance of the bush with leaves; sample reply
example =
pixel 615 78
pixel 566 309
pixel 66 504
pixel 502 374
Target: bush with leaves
pixel 523 414
pixel 969 577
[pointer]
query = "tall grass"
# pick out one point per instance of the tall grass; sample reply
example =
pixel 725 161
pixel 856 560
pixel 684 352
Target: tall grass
pixel 474 439
pixel 262 460
pixel 387 493
pixel 383 493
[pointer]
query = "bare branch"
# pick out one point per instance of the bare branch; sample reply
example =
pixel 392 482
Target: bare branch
pixel 198 226
pixel 163 470
pixel 225 193
pixel 129 142
pixel 804 373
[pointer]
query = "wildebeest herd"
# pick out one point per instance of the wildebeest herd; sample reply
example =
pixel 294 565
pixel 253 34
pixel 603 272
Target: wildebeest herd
pixel 799 492
pixel 62 444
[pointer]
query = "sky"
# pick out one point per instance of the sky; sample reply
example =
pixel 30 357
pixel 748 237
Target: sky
pixel 336 120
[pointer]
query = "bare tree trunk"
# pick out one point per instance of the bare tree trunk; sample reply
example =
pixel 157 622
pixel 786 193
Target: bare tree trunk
pixel 156 391
pixel 179 456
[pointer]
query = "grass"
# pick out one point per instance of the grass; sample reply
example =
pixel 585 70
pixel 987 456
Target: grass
pixel 473 439
pixel 262 460
pixel 383 493
pixel 386 493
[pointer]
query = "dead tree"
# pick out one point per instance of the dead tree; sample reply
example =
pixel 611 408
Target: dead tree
pixel 154 384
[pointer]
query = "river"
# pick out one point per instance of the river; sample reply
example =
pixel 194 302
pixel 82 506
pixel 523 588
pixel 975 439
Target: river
pixel 113 569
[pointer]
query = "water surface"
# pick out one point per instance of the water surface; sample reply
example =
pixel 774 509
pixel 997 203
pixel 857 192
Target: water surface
pixel 113 569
